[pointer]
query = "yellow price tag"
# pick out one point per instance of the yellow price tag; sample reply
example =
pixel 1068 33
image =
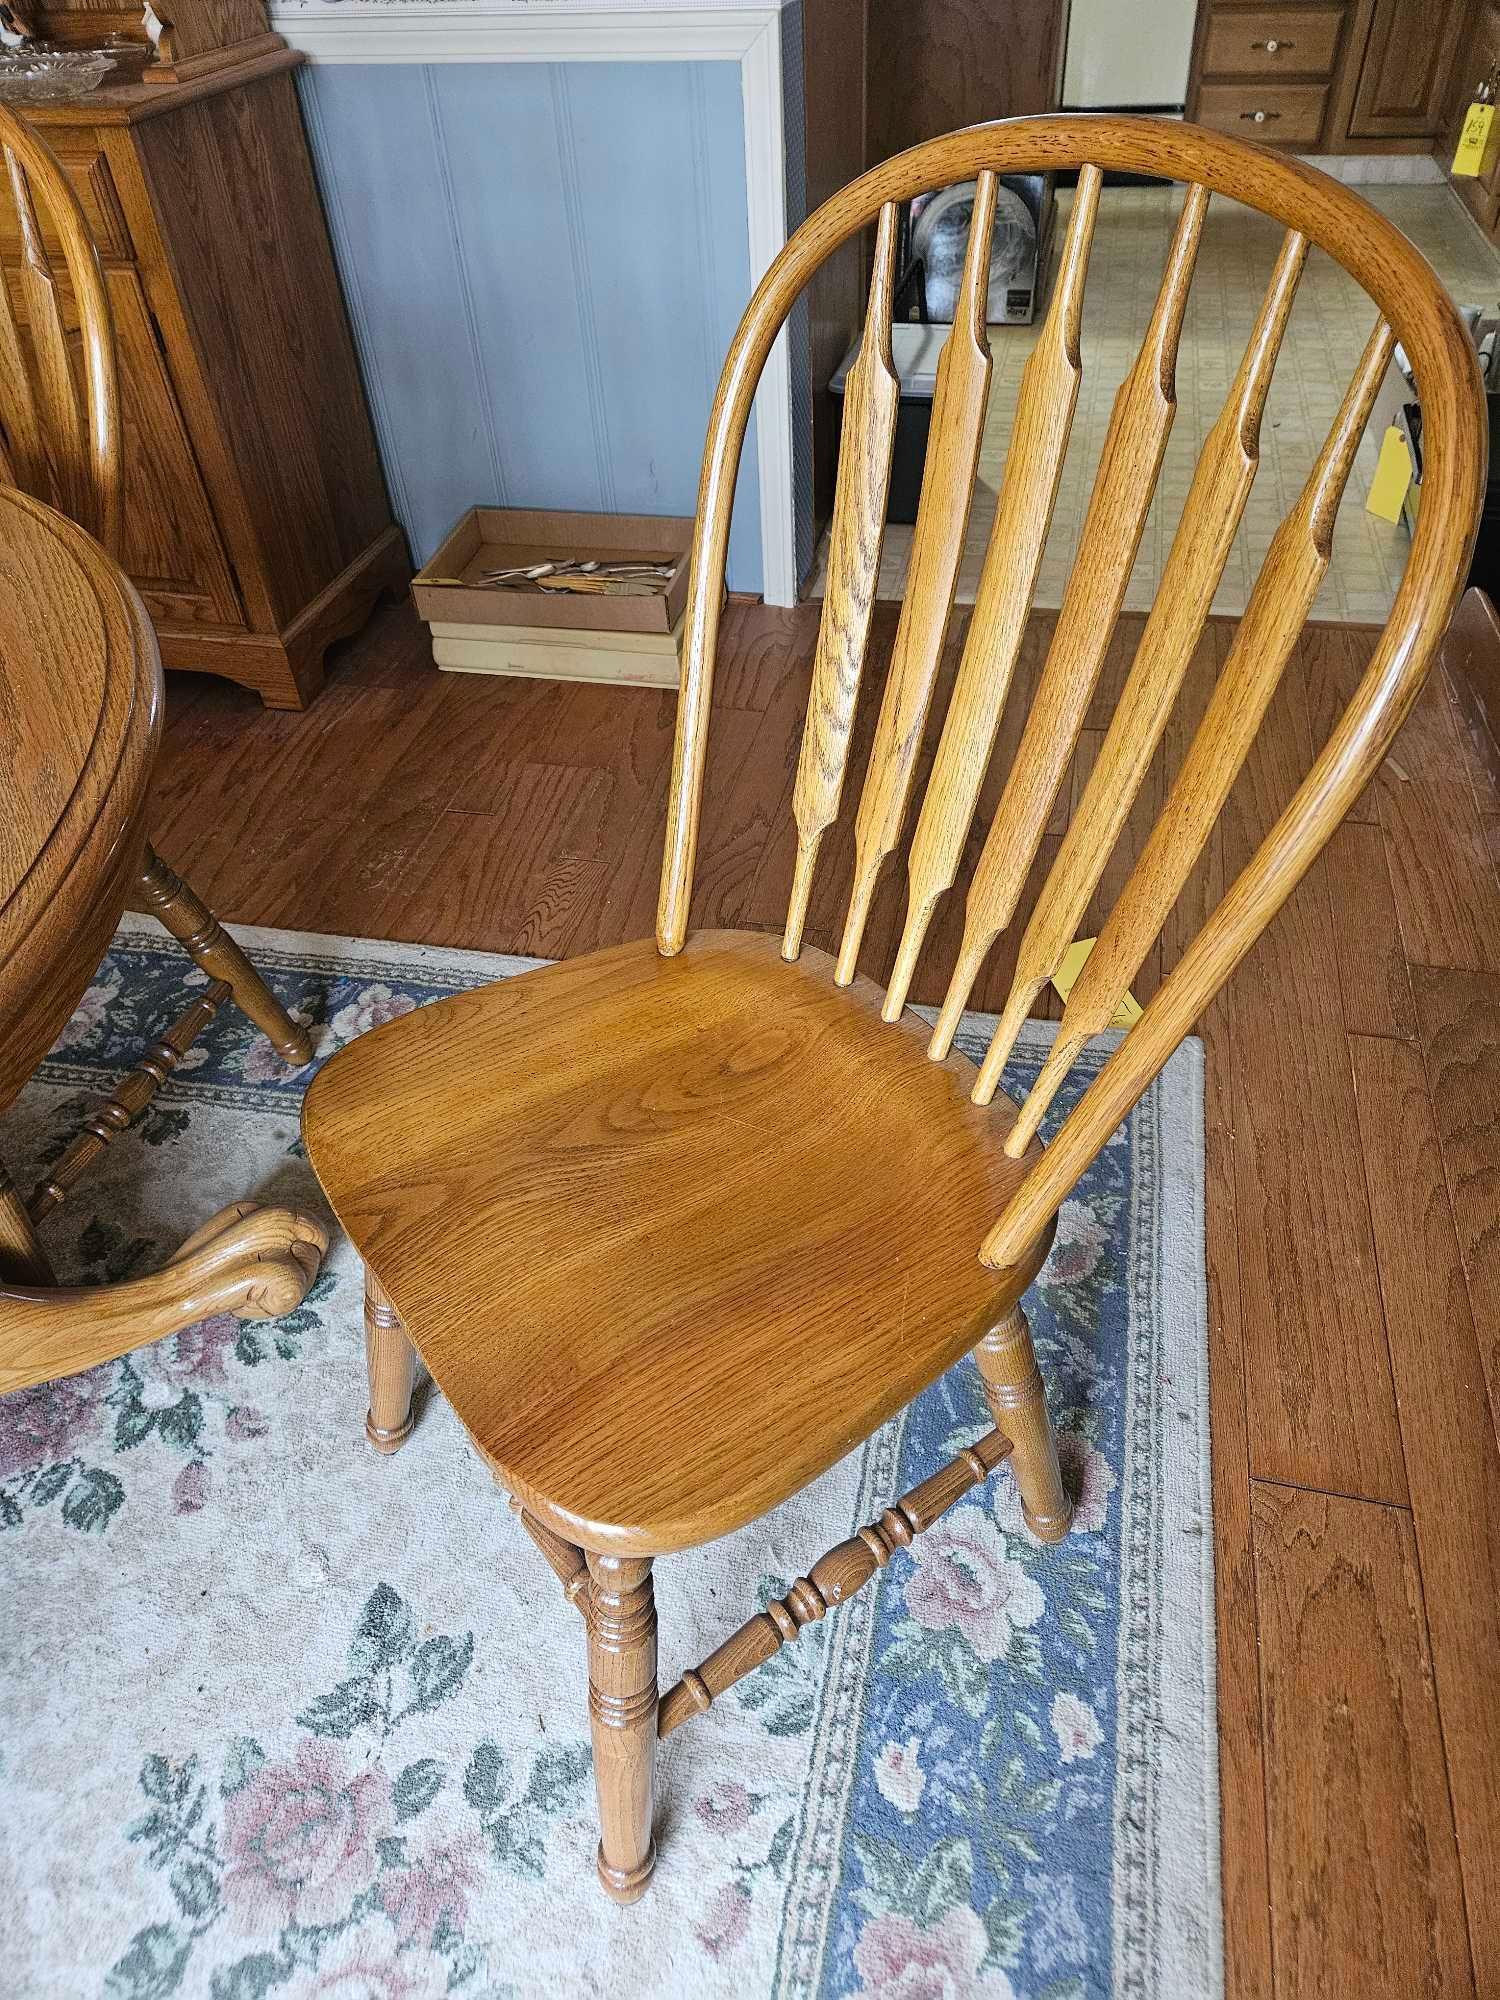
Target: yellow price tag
pixel 1476 142
pixel 1392 477
pixel 1066 976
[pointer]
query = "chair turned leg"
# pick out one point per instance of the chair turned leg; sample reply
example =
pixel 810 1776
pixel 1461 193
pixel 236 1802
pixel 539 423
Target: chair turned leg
pixel 1014 1390
pixel 393 1365
pixel 622 1718
pixel 210 946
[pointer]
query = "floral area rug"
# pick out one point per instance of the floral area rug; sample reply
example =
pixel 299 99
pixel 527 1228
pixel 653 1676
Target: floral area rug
pixel 284 1718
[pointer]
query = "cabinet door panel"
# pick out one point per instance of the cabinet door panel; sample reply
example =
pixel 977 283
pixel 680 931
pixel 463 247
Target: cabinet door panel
pixel 172 547
pixel 1403 79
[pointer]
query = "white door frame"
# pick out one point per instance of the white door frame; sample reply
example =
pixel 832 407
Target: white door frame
pixel 430 31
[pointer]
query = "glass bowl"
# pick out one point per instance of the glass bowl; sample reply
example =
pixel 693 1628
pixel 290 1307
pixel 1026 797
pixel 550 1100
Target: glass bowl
pixel 51 76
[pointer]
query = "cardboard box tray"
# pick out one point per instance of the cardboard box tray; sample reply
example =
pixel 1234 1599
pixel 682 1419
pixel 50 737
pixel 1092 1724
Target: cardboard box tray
pixel 447 588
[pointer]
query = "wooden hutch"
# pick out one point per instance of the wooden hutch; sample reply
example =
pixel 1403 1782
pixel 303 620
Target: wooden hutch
pixel 257 524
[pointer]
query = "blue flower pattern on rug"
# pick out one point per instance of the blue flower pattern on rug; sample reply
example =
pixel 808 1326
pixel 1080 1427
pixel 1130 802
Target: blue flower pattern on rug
pixel 973 1813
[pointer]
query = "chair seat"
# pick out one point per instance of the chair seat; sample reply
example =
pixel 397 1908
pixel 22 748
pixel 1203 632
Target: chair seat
pixel 672 1235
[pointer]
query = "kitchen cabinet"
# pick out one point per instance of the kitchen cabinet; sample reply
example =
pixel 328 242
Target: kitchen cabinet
pixel 1327 76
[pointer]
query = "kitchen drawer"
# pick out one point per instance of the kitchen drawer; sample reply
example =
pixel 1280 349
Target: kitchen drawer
pixel 88 171
pixel 1272 41
pixel 1274 114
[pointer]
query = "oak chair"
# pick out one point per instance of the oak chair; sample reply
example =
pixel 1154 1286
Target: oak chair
pixel 675 1225
pixel 60 440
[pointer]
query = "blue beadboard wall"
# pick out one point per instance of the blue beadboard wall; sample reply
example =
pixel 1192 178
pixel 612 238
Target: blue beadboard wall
pixel 544 264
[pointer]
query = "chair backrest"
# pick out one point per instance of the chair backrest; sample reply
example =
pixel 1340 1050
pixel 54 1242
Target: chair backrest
pixel 59 412
pixel 1413 307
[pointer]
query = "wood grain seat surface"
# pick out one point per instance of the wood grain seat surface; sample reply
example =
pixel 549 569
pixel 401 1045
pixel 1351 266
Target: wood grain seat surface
pixel 671 1234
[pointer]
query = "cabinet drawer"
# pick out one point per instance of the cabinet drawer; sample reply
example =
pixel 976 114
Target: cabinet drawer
pixel 88 171
pixel 1273 41
pixel 1274 114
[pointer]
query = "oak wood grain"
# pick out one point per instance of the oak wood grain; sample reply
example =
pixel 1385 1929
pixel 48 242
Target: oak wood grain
pixel 1458 1015
pixel 1023 514
pixel 1454 1462
pixel 958 403
pixel 1130 460
pixel 720 1098
pixel 1366 1894
pixel 1440 869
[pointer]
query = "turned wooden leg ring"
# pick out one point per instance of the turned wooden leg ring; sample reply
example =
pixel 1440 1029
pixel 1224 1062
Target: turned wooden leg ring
pixel 1014 1390
pixel 393 1362
pixel 622 1718
pixel 210 946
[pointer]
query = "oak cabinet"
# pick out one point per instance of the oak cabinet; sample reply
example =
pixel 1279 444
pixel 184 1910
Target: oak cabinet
pixel 257 525
pixel 1403 80
pixel 1327 76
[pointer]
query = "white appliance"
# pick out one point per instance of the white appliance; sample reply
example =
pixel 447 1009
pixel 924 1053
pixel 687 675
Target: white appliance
pixel 1127 56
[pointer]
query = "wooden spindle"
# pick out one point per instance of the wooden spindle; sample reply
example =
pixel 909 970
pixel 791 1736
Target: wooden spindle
pixel 1205 533
pixel 1028 494
pixel 130 1098
pixel 833 1578
pixel 854 540
pixel 963 378
pixel 1283 595
pixel 566 1559
pixel 1123 487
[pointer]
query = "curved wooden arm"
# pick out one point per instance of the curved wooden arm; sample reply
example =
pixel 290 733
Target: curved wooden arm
pixel 256 1263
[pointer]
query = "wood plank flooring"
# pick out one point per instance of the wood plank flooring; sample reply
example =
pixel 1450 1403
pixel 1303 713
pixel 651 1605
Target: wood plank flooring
pixel 1353 1106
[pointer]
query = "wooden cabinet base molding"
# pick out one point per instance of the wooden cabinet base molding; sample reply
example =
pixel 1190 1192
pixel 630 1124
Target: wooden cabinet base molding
pixel 257 525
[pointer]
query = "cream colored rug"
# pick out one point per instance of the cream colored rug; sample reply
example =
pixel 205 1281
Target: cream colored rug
pixel 281 1717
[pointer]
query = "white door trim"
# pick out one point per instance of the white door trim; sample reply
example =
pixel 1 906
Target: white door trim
pixel 431 31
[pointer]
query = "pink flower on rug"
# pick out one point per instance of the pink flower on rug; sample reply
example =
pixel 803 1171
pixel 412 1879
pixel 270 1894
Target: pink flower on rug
pixel 1078 1245
pixel 1088 1478
pixel 370 1008
pixel 245 1422
pixel 963 1577
pixel 367 1968
pixel 725 1807
pixel 897 1960
pixel 725 1921
pixel 439 1883
pixel 89 1015
pixel 48 1422
pixel 1076 1728
pixel 300 1839
pixel 190 1488
pixel 197 1354
pixel 898 1775
pixel 262 1064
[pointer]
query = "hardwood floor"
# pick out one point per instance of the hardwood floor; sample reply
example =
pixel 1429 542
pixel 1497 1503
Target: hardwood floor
pixel 1353 1106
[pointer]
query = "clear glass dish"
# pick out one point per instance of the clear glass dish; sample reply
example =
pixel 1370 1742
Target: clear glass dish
pixel 51 76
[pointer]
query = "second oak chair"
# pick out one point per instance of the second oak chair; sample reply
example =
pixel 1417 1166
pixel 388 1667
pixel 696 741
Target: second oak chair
pixel 676 1225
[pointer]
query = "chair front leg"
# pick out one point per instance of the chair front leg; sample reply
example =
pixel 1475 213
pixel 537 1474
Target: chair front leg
pixel 622 1717
pixel 210 946
pixel 1014 1390
pixel 392 1362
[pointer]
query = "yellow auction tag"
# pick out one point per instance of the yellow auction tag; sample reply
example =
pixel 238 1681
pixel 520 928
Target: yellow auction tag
pixel 1066 976
pixel 1476 142
pixel 1392 478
